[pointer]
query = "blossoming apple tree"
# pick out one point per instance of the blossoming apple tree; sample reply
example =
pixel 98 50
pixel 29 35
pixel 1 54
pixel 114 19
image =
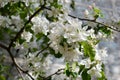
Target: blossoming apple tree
pixel 40 29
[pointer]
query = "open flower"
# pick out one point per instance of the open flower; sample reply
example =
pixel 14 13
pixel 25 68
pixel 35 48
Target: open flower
pixel 27 36
pixel 95 71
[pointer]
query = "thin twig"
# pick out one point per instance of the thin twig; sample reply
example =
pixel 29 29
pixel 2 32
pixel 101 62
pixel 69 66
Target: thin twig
pixel 17 66
pixel 22 29
pixel 14 62
pixel 94 21
pixel 16 37
pixel 42 50
pixel 12 65
pixel 56 73
pixel 20 73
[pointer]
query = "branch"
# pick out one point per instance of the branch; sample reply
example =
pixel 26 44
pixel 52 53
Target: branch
pixel 11 67
pixel 56 73
pixel 22 29
pixel 14 62
pixel 20 73
pixel 17 66
pixel 16 37
pixel 89 20
pixel 95 22
pixel 42 50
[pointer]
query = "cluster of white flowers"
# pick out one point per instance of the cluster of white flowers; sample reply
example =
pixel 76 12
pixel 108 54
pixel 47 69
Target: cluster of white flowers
pixel 27 36
pixel 97 63
pixel 60 31
pixel 15 23
pixel 65 36
pixel 101 54
pixel 95 71
pixel 40 24
pixel 4 2
pixel 96 68
pixel 4 21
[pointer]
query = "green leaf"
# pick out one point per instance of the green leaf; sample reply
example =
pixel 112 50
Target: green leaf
pixel 97 13
pixel 85 75
pixel 63 40
pixel 88 50
pixel 14 8
pixel 81 68
pixel 67 69
pixel 20 79
pixel 102 73
pixel 58 55
pixel 74 74
pixel 52 18
pixel 103 29
pixel 23 14
pixel 20 40
pixel 45 39
pixel 103 76
pixel 28 28
pixel 67 66
pixel 2 77
pixel 72 5
pixel 30 64
pixel 39 36
pixel 51 51
pixel 33 49
pixel 74 65
pixel 67 72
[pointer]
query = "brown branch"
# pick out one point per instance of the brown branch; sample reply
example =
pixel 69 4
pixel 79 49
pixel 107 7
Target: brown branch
pixel 11 66
pixel 42 50
pixel 16 37
pixel 22 29
pixel 94 21
pixel 17 66
pixel 14 62
pixel 20 73
pixel 56 73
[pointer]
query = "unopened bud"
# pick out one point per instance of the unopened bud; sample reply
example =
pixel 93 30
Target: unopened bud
pixel 86 12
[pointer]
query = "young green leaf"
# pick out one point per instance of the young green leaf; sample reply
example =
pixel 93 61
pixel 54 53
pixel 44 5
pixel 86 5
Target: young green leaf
pixel 88 50
pixel 85 75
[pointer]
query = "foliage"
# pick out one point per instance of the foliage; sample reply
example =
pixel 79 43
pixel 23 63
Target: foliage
pixel 42 30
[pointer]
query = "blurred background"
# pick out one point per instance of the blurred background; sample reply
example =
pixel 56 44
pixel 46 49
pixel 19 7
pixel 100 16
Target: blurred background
pixel 111 12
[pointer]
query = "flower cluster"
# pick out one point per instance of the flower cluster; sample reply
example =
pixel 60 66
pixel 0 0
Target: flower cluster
pixel 62 34
pixel 66 36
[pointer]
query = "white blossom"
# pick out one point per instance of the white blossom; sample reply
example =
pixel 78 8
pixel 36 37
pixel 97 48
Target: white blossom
pixel 53 12
pixel 4 21
pixel 65 35
pixel 27 36
pixel 40 24
pixel 101 54
pixel 86 13
pixel 87 62
pixel 95 71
